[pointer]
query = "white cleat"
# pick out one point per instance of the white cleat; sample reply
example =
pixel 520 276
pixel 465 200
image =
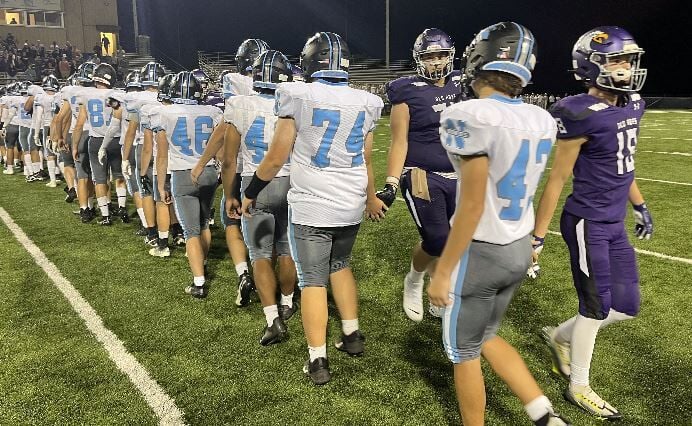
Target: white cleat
pixel 8 172
pixel 160 252
pixel 585 398
pixel 413 299
pixel 52 184
pixel 560 352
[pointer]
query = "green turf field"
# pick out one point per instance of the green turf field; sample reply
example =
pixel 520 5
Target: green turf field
pixel 206 355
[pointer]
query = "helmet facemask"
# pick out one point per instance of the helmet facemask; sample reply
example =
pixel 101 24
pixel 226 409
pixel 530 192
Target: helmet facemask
pixel 434 63
pixel 620 71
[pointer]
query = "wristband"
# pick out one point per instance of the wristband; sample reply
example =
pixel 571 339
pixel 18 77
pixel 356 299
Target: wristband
pixel 255 187
pixel 392 180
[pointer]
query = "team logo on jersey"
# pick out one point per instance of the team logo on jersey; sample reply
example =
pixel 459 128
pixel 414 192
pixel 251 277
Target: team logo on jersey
pixel 599 37
pixel 456 133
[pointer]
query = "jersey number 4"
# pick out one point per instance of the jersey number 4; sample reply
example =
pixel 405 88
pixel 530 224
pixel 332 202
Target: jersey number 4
pixel 203 126
pixel 354 143
pixel 512 186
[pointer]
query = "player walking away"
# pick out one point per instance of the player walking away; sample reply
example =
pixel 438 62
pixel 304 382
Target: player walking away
pixel 95 108
pixel 182 133
pixel 499 147
pixel 44 109
pixel 235 84
pixel 23 120
pixel 10 129
pixel 251 122
pixel 326 127
pixel 597 139
pixel 428 182
pixel 34 137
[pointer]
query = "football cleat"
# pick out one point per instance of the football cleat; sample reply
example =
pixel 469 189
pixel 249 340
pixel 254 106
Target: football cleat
pixel 413 299
pixel 552 419
pixel 585 398
pixel 212 215
pixel 151 240
pixel 142 232
pixel 353 344
pixel 245 287
pixel 105 221
pixel 533 270
pixel 179 240
pixel 122 214
pixel 30 178
pixel 71 195
pixel 277 333
pixel 286 312
pixel 86 215
pixel 318 371
pixel 52 184
pixel 9 171
pixel 197 291
pixel 560 352
pixel 160 251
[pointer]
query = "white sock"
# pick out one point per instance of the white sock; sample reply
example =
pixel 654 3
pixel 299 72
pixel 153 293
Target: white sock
pixel 317 352
pixel 51 169
pixel 415 275
pixel 103 205
pixel 37 166
pixel 61 167
pixel 349 326
pixel 583 341
pixel 615 316
pixel 142 218
pixel 163 235
pixel 40 159
pixel 563 332
pixel 271 313
pixel 90 201
pixel 241 268
pixel 538 408
pixel 28 168
pixel 287 300
pixel 122 196
pixel 198 281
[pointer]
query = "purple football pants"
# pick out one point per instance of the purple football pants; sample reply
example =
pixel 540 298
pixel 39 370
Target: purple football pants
pixel 432 217
pixel 603 264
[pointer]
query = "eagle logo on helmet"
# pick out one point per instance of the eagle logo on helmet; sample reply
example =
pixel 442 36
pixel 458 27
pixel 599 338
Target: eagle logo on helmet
pixel 599 37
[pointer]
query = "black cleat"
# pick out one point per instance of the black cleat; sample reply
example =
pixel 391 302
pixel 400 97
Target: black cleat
pixel 286 312
pixel 552 419
pixel 179 240
pixel 105 221
pixel 353 344
pixel 85 215
pixel 142 232
pixel 71 195
pixel 197 291
pixel 151 240
pixel 318 371
pixel 245 287
pixel 277 333
pixel 123 215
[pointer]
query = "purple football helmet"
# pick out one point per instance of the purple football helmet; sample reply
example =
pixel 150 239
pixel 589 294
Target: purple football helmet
pixel 426 52
pixel 202 77
pixel 297 73
pixel 597 53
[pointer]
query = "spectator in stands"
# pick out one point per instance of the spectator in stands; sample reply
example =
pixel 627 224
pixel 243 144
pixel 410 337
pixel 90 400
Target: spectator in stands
pixel 13 21
pixel 10 40
pixel 64 67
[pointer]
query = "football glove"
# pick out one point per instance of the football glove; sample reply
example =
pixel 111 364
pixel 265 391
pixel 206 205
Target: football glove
pixel 3 132
pixel 102 155
pixel 145 182
pixel 387 194
pixel 537 244
pixel 37 140
pixel 644 224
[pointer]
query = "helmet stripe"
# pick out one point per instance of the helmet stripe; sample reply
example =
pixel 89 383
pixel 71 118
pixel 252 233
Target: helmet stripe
pixel 338 60
pixel 521 42
pixel 331 50
pixel 271 65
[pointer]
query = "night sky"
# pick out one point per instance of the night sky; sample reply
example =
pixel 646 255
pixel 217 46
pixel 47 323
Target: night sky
pixel 178 28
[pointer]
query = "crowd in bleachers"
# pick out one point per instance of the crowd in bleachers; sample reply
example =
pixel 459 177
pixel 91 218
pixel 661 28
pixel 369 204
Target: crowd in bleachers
pixel 37 60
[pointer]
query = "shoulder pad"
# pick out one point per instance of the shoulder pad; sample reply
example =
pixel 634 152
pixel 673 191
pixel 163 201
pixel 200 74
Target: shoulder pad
pixel 577 108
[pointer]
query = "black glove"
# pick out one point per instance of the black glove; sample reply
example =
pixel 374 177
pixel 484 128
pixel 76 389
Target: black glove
pixel 388 194
pixel 147 189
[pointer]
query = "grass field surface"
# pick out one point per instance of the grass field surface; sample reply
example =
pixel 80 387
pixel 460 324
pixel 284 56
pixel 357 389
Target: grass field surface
pixel 205 354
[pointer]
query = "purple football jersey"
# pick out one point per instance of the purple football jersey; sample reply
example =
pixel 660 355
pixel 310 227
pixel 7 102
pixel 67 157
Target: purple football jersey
pixel 425 103
pixel 604 170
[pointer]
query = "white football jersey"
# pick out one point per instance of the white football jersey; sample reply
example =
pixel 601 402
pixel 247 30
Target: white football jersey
pixel 517 139
pixel 134 103
pixel 46 102
pixel 99 113
pixel 71 95
pixel 328 174
pixel 34 90
pixel 235 84
pixel 22 117
pixel 188 128
pixel 253 116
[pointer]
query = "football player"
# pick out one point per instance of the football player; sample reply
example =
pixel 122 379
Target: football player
pixel 597 137
pixel 240 82
pixel 43 106
pixel 95 108
pixel 10 129
pixel 23 119
pixel 182 133
pixel 428 181
pixel 327 129
pixel 251 122
pixel 499 147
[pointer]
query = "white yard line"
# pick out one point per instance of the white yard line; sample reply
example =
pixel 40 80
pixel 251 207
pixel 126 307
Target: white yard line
pixel 163 405
pixel 653 180
pixel 683 154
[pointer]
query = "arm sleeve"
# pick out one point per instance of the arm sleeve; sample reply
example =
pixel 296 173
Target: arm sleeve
pixel 113 129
